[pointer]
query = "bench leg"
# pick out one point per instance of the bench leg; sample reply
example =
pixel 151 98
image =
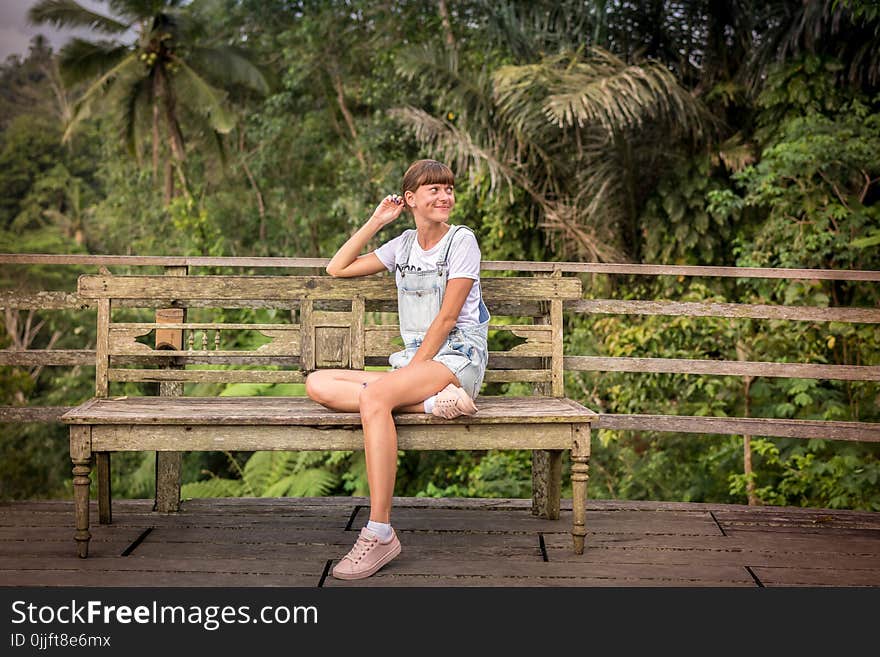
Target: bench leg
pixel 102 472
pixel 546 483
pixel 168 482
pixel 580 465
pixel 81 455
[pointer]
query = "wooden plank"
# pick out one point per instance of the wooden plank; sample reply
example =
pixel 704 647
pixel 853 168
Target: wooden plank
pixel 818 576
pixel 639 522
pixel 153 288
pixel 205 358
pixel 770 427
pixel 684 270
pixel 531 376
pixel 285 342
pixel 43 300
pixel 102 349
pixel 47 357
pixel 733 557
pixel 731 310
pixel 522 573
pixel 19 414
pixel 146 327
pixel 95 576
pixel 207 376
pixel 357 337
pixel 307 336
pixel 296 411
pixel 723 368
pixel 556 363
pixel 253 437
pixel 486 265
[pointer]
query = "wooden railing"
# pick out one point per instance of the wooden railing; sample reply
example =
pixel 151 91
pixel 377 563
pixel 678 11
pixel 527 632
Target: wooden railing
pixel 12 300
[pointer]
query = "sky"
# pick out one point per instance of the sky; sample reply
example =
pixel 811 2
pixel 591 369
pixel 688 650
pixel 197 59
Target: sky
pixel 16 32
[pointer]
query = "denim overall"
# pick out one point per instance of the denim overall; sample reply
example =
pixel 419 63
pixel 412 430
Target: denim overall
pixel 419 297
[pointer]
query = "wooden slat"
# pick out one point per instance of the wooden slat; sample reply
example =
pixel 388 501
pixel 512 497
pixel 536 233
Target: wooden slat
pixel 206 376
pixel 102 348
pixel 146 327
pixel 487 265
pixel 47 357
pixel 17 414
pixel 155 288
pixel 530 376
pixel 732 310
pixel 260 436
pixel 298 411
pixel 770 427
pixel 556 363
pixel 285 342
pixel 723 368
pixel 358 339
pixel 44 300
pixel 684 270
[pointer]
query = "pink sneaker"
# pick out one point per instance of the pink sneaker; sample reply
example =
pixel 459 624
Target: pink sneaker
pixel 367 556
pixel 453 401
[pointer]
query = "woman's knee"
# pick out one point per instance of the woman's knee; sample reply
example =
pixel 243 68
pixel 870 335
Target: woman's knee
pixel 316 386
pixel 373 399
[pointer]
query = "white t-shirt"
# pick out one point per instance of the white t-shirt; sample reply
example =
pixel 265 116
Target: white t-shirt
pixel 464 262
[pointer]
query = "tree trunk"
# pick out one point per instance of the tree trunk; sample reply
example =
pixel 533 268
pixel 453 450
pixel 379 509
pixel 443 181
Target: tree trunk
pixel 175 136
pixel 349 119
pixel 447 24
pixel 169 183
pixel 155 143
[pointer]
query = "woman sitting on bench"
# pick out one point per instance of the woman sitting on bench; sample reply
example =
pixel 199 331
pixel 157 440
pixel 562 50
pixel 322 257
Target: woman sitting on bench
pixel 444 325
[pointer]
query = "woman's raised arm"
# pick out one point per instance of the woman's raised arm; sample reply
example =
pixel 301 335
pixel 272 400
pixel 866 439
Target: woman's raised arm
pixel 348 262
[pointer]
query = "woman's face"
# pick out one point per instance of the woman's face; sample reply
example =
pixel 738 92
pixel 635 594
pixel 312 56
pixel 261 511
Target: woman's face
pixel 432 202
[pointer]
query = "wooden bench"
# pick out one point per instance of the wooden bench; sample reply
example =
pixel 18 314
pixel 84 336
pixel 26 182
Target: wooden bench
pixel 324 322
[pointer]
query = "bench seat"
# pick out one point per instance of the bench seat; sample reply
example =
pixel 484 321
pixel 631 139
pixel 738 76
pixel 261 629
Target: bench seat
pixel 304 411
pixel 298 423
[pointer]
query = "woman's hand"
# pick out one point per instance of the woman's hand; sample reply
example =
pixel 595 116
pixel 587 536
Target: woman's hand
pixel 387 211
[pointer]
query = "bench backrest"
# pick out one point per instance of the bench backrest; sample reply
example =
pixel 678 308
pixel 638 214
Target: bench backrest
pixel 327 322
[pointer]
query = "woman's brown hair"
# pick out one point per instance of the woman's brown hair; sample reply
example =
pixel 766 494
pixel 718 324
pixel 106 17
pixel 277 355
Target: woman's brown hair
pixel 426 172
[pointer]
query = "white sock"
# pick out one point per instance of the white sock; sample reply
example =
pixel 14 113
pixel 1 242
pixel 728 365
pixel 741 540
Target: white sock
pixel 380 529
pixel 429 404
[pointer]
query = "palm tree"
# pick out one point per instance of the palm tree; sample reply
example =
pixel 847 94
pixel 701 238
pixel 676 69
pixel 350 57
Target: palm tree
pixel 584 134
pixel 147 85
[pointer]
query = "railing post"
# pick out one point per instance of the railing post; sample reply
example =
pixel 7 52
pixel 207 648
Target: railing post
pixel 168 463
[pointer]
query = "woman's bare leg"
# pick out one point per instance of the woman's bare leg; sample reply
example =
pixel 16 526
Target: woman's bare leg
pixel 397 390
pixel 339 390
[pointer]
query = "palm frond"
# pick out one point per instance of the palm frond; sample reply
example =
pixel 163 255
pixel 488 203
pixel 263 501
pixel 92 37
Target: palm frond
pixel 605 91
pixel 735 154
pixel 140 9
pixel 454 144
pixel 81 60
pixel 98 89
pixel 458 147
pixel 135 98
pixel 193 90
pixel 470 95
pixel 68 13
pixel 229 66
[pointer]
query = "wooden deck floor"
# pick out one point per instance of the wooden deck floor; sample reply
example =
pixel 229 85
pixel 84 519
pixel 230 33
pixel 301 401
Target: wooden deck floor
pixel 446 542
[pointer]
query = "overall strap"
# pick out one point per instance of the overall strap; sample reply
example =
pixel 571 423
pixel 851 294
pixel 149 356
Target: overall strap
pixel 406 246
pixel 443 260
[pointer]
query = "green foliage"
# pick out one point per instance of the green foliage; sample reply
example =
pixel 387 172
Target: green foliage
pixel 686 161
pixel 680 225
pixel 270 474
